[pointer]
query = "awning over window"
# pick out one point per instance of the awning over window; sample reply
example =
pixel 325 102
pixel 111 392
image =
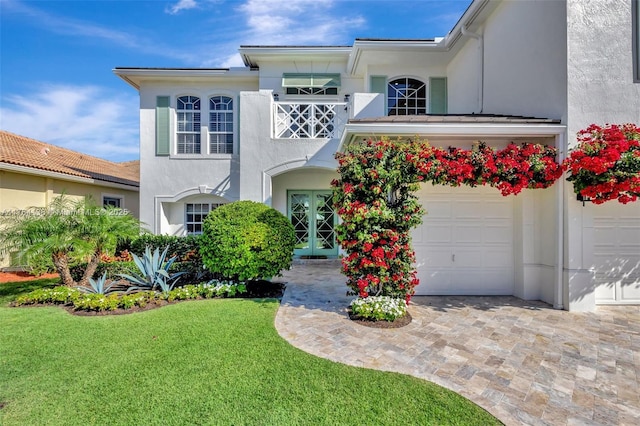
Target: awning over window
pixel 310 80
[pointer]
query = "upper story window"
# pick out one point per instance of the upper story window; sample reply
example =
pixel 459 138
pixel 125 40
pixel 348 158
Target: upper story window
pixel 311 83
pixel 188 121
pixel 220 125
pixel 312 90
pixel 406 96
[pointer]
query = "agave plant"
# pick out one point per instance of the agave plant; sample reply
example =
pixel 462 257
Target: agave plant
pixel 98 286
pixel 154 271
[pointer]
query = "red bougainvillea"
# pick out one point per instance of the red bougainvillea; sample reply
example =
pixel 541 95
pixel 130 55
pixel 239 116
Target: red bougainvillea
pixel 606 163
pixel 375 199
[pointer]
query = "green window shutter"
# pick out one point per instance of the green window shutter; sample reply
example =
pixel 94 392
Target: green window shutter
pixel 163 136
pixel 438 95
pixel 378 84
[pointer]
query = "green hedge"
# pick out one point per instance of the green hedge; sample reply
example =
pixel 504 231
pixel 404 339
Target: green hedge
pixel 245 240
pixel 185 248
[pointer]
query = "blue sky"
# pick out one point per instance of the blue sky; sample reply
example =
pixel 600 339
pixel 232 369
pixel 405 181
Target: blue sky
pixel 56 57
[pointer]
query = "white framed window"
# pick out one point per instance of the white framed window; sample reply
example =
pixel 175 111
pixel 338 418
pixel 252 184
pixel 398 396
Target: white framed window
pixel 406 96
pixel 195 213
pixel 112 200
pixel 312 90
pixel 220 125
pixel 188 124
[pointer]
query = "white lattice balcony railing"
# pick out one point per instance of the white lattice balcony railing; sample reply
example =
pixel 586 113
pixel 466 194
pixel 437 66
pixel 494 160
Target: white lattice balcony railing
pixel 308 120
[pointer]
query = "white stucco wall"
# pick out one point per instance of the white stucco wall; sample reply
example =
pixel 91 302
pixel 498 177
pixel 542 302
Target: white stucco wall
pixel 301 179
pixel 524 63
pixel 600 90
pixel 264 157
pixel 170 178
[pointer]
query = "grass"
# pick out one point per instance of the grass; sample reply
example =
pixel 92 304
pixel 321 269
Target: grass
pixel 217 362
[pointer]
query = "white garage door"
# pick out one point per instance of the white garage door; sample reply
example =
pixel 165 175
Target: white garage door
pixel 465 245
pixel 616 252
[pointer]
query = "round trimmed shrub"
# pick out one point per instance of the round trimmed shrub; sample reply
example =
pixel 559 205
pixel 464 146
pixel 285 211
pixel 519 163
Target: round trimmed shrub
pixel 245 240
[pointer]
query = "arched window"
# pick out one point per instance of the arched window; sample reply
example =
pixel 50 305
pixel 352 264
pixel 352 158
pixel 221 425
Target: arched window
pixel 220 125
pixel 188 120
pixel 406 96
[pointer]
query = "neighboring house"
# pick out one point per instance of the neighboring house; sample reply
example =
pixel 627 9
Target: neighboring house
pixel 32 173
pixel 508 71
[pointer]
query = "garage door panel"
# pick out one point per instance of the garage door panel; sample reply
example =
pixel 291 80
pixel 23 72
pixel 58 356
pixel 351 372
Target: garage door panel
pixel 434 258
pixel 439 209
pixel 499 234
pixel 615 257
pixel 468 210
pixel 466 247
pixel 467 234
pixel 498 209
pixel 436 233
pixel 630 290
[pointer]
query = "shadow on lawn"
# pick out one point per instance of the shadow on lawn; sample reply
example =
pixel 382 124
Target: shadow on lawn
pixel 9 291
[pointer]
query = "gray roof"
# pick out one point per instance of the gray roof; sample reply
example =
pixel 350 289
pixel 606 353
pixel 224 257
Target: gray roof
pixel 456 118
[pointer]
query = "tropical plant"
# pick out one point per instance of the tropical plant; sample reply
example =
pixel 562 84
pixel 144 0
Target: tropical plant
pixel 376 202
pixel 98 286
pixel 246 240
pixel 154 271
pixel 66 232
pixel 605 165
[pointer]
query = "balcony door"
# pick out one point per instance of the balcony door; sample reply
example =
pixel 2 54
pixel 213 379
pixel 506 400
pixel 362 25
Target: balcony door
pixel 314 221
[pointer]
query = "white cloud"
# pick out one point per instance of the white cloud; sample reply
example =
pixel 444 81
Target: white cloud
pixel 86 119
pixel 297 22
pixel 276 22
pixel 180 6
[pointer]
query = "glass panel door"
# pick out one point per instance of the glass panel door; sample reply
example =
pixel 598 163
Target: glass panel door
pixel 299 214
pixel 314 220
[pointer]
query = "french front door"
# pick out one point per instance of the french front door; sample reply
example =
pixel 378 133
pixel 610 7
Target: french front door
pixel 314 221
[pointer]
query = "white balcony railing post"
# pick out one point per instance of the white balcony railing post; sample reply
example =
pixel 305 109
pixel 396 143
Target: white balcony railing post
pixel 309 120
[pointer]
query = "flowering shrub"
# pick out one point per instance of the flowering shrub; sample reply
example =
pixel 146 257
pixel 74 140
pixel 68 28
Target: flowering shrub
pixel 63 295
pixel 379 308
pixel 606 163
pixel 375 199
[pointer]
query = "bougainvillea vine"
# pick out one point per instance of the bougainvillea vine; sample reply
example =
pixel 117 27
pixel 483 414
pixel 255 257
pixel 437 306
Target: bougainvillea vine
pixel 375 199
pixel 605 165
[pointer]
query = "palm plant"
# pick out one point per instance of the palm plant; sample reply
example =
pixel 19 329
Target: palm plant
pixel 66 232
pixel 154 271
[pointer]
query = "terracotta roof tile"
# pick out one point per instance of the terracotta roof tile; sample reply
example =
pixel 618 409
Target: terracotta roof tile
pixel 27 152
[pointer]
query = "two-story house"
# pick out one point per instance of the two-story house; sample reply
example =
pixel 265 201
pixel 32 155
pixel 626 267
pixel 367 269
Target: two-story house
pixel 508 71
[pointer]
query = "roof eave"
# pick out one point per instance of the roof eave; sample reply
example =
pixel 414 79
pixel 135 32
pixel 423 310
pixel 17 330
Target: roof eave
pixel 63 176
pixel 251 54
pixel 374 130
pixel 134 76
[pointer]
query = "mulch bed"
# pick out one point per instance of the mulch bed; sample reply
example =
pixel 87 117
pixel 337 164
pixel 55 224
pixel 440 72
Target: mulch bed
pixel 399 322
pixel 255 290
pixel 9 277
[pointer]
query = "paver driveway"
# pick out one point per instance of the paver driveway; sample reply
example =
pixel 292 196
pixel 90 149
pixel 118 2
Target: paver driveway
pixel 524 362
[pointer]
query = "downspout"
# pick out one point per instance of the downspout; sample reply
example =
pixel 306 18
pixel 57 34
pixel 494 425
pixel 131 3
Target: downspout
pixel 558 302
pixel 480 39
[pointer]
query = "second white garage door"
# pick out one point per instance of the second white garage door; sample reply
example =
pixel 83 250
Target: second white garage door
pixel 465 245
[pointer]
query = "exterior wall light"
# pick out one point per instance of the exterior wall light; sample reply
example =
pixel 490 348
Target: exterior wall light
pixel 582 198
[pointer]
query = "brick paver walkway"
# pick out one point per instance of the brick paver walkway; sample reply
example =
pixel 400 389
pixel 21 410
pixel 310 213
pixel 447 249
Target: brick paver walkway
pixel 524 362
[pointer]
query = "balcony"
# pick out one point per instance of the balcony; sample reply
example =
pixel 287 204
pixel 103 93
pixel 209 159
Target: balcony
pixel 309 120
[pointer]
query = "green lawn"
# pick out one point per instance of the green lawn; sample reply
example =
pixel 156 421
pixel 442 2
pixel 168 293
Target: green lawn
pixel 217 362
